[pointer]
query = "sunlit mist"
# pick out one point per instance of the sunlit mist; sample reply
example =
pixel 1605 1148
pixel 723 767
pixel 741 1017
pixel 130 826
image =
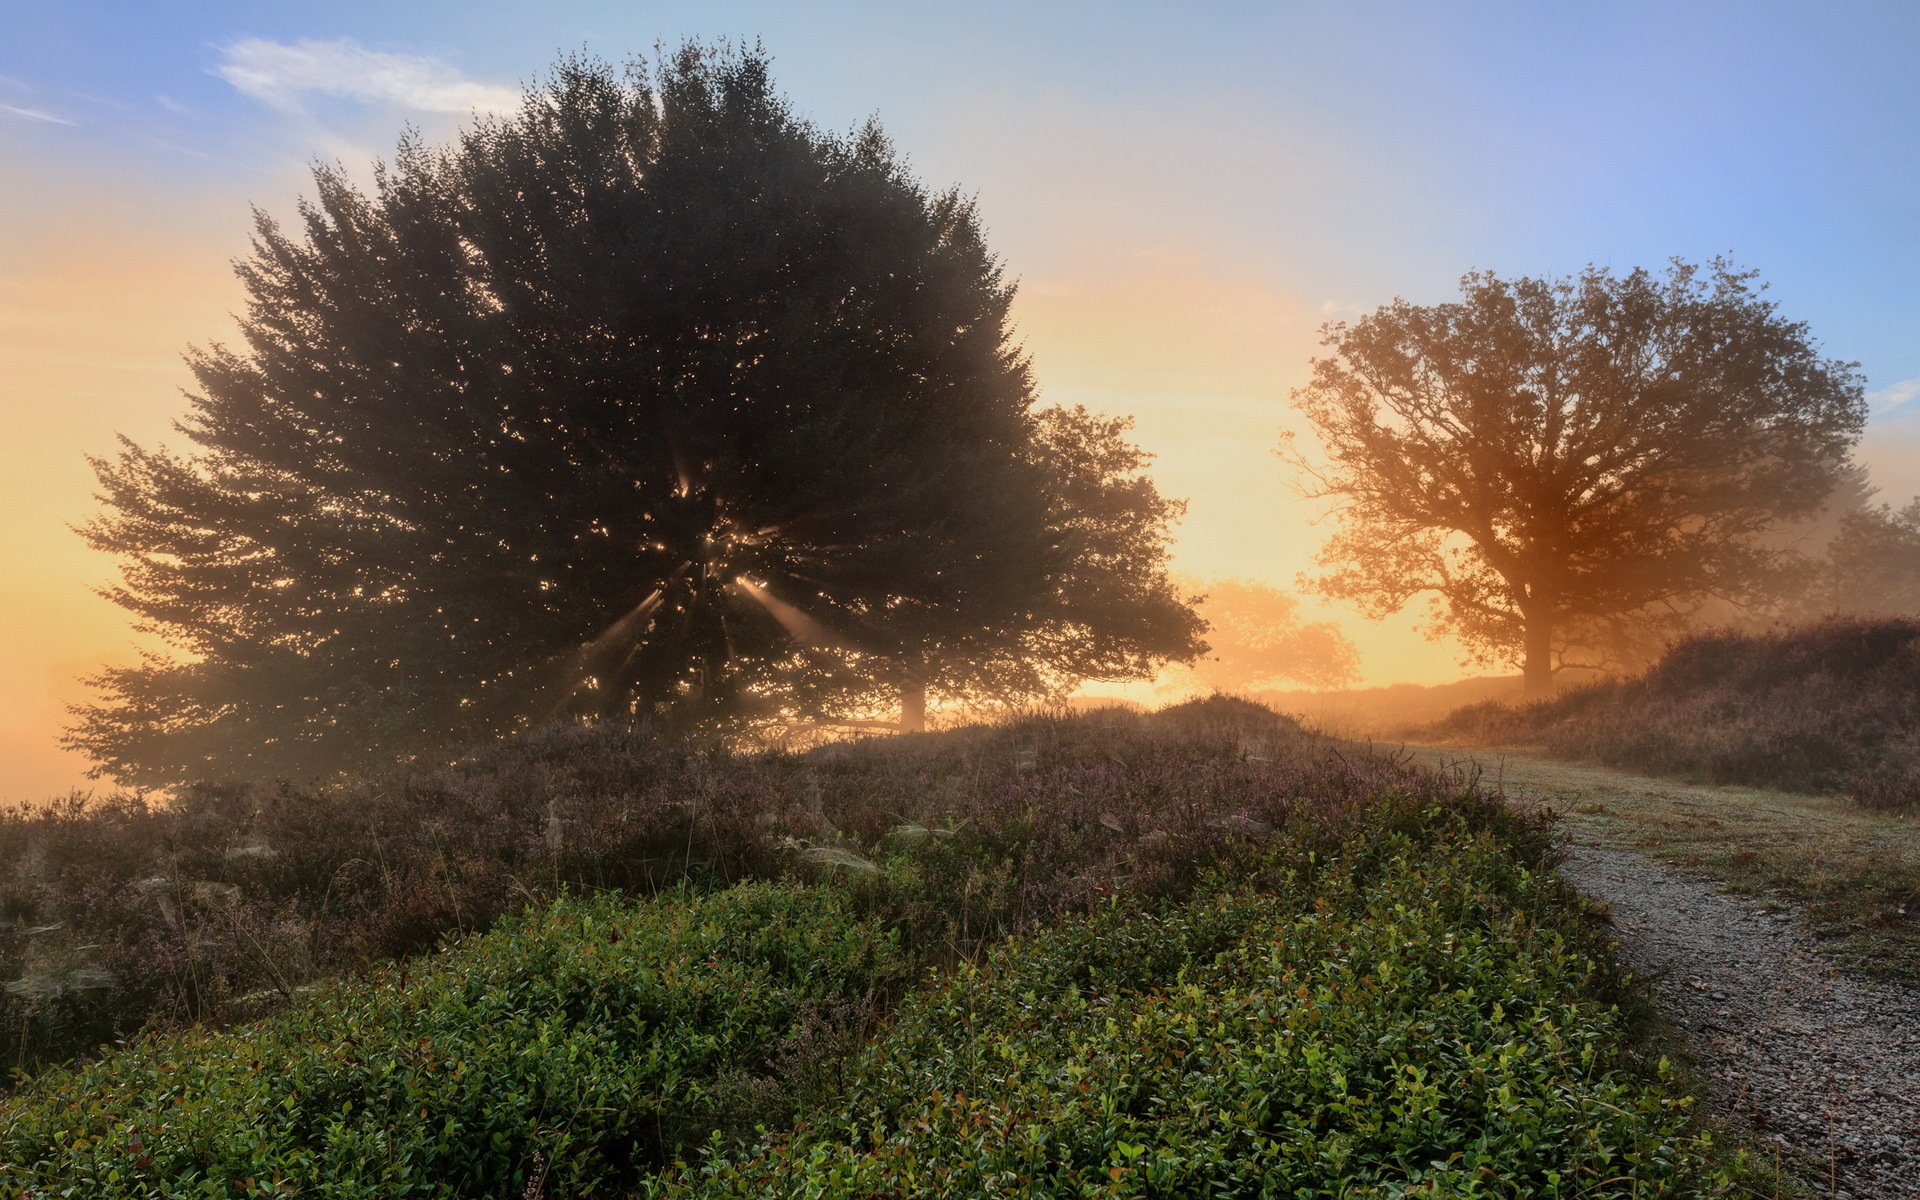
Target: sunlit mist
pixel 1184 199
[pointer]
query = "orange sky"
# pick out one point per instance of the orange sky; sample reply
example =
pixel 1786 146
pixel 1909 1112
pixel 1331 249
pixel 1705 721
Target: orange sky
pixel 95 309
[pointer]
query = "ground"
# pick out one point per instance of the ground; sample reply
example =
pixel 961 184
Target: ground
pixel 1776 932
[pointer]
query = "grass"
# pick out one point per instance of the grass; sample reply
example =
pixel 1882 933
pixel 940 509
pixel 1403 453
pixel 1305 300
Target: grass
pixel 119 917
pixel 1851 873
pixel 1193 952
pixel 1813 738
pixel 1198 952
pixel 1831 707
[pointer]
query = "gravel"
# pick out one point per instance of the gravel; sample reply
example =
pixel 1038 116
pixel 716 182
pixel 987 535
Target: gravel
pixel 1824 1065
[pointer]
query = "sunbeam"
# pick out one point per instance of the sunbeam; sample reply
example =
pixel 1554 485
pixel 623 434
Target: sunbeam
pixel 805 629
pixel 628 630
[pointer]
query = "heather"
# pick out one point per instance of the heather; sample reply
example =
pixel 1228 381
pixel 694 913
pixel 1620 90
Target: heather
pixel 1830 707
pixel 1421 1018
pixel 1388 997
pixel 118 916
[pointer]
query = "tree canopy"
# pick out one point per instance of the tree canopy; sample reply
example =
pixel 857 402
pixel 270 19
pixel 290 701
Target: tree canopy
pixel 1553 460
pixel 650 399
pixel 1872 565
pixel 1256 640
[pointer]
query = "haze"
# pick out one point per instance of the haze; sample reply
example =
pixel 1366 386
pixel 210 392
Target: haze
pixel 1184 198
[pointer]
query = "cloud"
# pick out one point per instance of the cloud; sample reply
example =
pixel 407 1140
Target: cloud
pixel 281 75
pixel 1893 397
pixel 34 114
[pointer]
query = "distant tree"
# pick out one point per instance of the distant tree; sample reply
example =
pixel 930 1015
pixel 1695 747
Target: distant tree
pixel 1550 458
pixel 1256 640
pixel 1799 587
pixel 649 400
pixel 1872 565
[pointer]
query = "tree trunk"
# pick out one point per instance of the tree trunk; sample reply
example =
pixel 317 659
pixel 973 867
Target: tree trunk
pixel 1536 669
pixel 913 705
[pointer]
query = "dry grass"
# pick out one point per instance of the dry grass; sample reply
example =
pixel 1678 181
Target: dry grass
pixel 118 916
pixel 1828 707
pixel 1852 873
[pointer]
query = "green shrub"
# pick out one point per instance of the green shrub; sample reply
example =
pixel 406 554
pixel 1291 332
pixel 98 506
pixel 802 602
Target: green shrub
pixel 1419 1020
pixel 574 1048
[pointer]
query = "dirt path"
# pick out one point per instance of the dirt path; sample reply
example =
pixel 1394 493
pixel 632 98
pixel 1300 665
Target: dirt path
pixel 1816 1060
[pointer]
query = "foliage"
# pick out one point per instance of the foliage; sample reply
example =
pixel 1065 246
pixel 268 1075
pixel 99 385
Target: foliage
pixel 1872 565
pixel 1833 706
pixel 1111 612
pixel 1421 1021
pixel 1562 461
pixel 572 1049
pixel 1403 1001
pixel 1255 640
pixel 119 915
pixel 648 400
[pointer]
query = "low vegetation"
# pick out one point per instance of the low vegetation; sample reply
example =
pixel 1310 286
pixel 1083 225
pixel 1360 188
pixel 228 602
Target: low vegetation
pixel 1832 707
pixel 581 1044
pixel 1851 875
pixel 1422 1018
pixel 121 915
pixel 1193 952
pixel 1409 1003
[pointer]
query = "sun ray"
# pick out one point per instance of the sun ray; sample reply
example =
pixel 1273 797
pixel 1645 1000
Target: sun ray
pixel 804 628
pixel 627 628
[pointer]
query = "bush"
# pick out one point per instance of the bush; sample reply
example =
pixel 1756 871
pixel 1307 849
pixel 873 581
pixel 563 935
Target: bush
pixel 1409 1004
pixel 575 1048
pixel 1423 1018
pixel 1829 707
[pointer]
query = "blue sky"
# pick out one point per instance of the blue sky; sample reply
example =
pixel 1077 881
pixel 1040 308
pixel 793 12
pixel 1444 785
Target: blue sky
pixel 1383 147
pixel 1184 191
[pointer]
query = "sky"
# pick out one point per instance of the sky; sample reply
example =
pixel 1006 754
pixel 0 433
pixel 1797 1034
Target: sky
pixel 1185 193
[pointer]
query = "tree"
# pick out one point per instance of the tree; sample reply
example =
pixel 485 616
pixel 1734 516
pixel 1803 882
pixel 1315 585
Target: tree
pixel 649 400
pixel 1553 459
pixel 1257 640
pixel 1109 609
pixel 1872 565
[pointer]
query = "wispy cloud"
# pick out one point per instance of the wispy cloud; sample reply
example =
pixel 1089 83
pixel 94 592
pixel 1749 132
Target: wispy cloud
pixel 283 74
pixel 34 114
pixel 1894 397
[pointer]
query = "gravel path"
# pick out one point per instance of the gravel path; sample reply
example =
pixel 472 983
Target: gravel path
pixel 1826 1065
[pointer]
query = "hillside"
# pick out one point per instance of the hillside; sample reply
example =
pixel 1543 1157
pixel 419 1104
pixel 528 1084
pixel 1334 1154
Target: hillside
pixel 1831 707
pixel 1196 952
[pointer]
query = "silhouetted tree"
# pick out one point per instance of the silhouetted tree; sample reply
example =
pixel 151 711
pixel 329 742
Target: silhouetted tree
pixel 650 400
pixel 1549 456
pixel 1257 640
pixel 1872 566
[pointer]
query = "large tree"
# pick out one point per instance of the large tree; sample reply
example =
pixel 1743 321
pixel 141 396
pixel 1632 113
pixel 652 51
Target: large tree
pixel 1555 460
pixel 650 399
